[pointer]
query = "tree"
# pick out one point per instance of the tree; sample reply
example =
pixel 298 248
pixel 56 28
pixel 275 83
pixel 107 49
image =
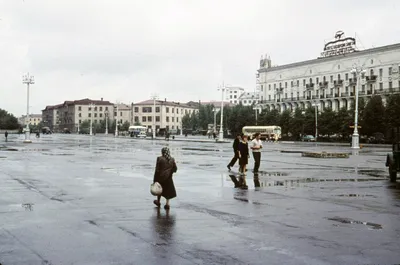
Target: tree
pixel 297 123
pixel 137 123
pixel 344 119
pixel 285 119
pixel 125 126
pixel 327 122
pixel 373 116
pixel 8 121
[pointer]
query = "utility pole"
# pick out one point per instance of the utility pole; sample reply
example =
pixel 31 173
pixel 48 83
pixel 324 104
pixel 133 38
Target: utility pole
pixel 91 106
pixel 316 105
pixel 355 143
pixel 221 129
pixel 116 120
pixel 154 97
pixel 28 80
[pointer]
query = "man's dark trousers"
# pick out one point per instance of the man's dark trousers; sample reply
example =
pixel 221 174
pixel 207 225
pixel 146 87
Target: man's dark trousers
pixel 257 160
pixel 235 158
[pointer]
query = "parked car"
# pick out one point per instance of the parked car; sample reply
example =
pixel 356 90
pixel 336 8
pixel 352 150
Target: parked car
pixel 308 138
pixel 376 138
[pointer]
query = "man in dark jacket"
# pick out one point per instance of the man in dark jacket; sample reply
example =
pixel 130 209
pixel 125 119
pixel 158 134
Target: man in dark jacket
pixel 235 151
pixel 6 135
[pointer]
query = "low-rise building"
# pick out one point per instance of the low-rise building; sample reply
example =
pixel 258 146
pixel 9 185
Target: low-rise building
pixel 168 114
pixel 34 119
pixel 249 98
pixel 233 94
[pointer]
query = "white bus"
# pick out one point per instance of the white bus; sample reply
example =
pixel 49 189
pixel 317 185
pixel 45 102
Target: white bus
pixel 137 131
pixel 266 132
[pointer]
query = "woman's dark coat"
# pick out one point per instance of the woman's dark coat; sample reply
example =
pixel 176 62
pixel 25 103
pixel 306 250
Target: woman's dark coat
pixel 163 175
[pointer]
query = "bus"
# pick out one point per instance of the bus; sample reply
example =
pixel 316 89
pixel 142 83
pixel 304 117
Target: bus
pixel 266 132
pixel 137 131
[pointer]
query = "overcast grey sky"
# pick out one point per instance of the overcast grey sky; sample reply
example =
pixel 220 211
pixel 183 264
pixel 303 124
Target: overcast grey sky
pixel 128 49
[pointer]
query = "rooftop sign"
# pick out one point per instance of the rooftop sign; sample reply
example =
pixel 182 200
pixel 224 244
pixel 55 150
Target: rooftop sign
pixel 339 46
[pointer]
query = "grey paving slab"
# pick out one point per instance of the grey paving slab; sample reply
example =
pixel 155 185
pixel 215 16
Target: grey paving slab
pixel 76 199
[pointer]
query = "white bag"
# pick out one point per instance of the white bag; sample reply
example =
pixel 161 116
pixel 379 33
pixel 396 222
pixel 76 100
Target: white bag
pixel 156 189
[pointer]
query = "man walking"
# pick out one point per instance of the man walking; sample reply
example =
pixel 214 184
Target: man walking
pixel 235 151
pixel 256 146
pixel 6 135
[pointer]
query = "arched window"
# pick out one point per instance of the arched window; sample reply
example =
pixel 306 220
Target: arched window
pixel 338 76
pixel 371 72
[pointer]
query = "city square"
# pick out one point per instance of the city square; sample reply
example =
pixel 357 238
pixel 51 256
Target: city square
pixel 78 199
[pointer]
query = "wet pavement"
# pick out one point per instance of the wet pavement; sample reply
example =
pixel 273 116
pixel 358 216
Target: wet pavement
pixel 70 199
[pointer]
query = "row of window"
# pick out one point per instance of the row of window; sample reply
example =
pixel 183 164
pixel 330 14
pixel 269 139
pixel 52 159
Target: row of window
pixel 100 114
pixel 167 109
pixel 96 121
pixel 150 119
pixel 94 109
pixel 297 82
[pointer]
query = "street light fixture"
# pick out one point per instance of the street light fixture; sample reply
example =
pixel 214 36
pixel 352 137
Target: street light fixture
pixel 355 143
pixel 28 80
pixel 316 105
pixel 154 97
pixel 221 129
pixel 215 110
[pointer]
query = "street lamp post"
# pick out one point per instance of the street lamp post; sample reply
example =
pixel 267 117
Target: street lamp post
pixel 257 109
pixel 28 80
pixel 154 98
pixel 316 105
pixel 355 143
pixel 106 114
pixel 116 120
pixel 221 129
pixel 91 105
pixel 215 119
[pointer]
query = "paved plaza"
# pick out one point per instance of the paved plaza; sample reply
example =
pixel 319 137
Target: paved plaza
pixel 76 199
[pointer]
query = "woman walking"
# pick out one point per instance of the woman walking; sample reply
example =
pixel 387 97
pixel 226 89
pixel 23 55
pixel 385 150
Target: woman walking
pixel 243 158
pixel 165 167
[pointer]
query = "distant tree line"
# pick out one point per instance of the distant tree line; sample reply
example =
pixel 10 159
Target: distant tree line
pixel 100 127
pixel 374 117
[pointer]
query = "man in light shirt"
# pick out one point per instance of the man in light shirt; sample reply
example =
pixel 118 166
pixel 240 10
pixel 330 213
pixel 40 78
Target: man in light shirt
pixel 256 146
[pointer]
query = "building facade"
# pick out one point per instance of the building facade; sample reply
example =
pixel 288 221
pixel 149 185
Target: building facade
pixel 34 119
pixel 232 94
pixel 70 114
pixel 329 80
pixel 249 98
pixel 168 114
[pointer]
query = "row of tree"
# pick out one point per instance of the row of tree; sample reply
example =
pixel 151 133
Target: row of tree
pixel 8 121
pixel 100 127
pixel 374 116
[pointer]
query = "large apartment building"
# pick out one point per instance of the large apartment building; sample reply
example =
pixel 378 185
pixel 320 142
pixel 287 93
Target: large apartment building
pixel 34 119
pixel 168 114
pixel 328 80
pixel 70 114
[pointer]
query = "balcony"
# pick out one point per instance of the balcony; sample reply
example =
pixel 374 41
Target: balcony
pixel 322 96
pixel 371 79
pixel 369 92
pixel 361 93
pixel 310 86
pixel 323 84
pixel 329 96
pixel 344 94
pixel 315 97
pixel 337 83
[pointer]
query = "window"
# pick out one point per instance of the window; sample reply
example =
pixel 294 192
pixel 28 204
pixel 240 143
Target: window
pixel 136 109
pixel 363 88
pixel 285 84
pixel 310 71
pixel 346 76
pixel 80 121
pixel 80 108
pixel 177 119
pixel 167 110
pixel 136 119
pixel 101 115
pixel 390 85
pixel 280 85
pixel 310 80
pixel 372 61
pixel 88 109
pixel 371 72
pixel 380 72
pixel 269 97
pixel 262 87
pixel 362 75
pixel 95 121
pixel 244 101
pixel 157 118
pixel 173 110
pixel 331 78
pixel 235 92
pixel 298 83
pixel 285 95
pixel 274 86
pixel 167 119
pixel 231 96
pixel 115 114
pixel 101 108
pixel 291 83
pixel 144 119
pixel 149 118
pixel 95 108
pixel 304 82
pixel 95 115
pixel 120 114
pixel 338 67
pixel 146 109
pixel 173 119
pixel 80 115
pixel 90 115
pixel 157 109
pixel 269 87
pixel 380 86
pixel 317 80
pixel 390 70
pixel 324 79
pixel 106 108
pixel 235 97
pixel 338 77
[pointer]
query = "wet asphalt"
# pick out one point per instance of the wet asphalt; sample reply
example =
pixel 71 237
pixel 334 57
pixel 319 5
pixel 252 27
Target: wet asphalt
pixel 75 199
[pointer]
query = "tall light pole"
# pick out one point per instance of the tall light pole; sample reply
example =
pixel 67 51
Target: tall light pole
pixel 215 119
pixel 28 80
pixel 154 97
pixel 257 108
pixel 221 129
pixel 355 143
pixel 91 105
pixel 316 105
pixel 106 114
pixel 116 120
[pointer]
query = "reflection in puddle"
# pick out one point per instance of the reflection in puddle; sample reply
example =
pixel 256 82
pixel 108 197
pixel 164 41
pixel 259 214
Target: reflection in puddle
pixel 356 195
pixel 28 206
pixel 200 149
pixel 350 221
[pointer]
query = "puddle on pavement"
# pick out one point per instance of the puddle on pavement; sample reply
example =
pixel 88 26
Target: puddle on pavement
pixel 8 149
pixel 373 173
pixel 35 150
pixel 351 221
pixel 356 195
pixel 27 206
pixel 57 154
pixel 206 165
pixel 200 149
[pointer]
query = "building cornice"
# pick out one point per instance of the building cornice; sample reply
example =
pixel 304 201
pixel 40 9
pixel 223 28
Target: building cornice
pixel 332 58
